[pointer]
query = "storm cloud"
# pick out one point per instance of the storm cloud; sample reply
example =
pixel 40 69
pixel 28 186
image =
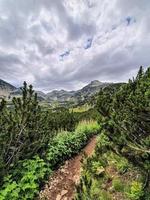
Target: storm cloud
pixel 65 44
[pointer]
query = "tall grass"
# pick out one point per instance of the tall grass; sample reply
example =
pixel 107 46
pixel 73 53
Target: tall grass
pixel 88 126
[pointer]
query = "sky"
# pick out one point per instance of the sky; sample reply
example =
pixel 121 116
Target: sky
pixel 65 44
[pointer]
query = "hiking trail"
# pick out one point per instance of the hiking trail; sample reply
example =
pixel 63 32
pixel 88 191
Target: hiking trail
pixel 61 185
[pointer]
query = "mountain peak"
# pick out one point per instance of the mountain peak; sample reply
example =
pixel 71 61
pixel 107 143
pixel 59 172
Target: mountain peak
pixel 95 82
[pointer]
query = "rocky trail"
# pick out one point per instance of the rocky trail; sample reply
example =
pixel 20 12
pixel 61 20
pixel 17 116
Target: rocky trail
pixel 61 185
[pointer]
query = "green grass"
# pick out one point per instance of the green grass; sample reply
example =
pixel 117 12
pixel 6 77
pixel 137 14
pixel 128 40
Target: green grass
pixel 80 109
pixel 87 126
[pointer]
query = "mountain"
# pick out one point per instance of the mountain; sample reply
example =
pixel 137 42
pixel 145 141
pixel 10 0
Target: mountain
pixel 5 88
pixel 60 96
pixel 89 90
pixel 18 92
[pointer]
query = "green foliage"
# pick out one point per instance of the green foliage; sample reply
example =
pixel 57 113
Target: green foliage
pixel 26 130
pixel 82 108
pixel 87 127
pixel 91 114
pixel 125 118
pixel 88 189
pixel 123 145
pixel 24 181
pixel 21 134
pixel 119 162
pixel 65 144
pixel 118 185
pixel 136 191
pixel 25 178
pixel 61 119
pixel 103 143
pixel 122 166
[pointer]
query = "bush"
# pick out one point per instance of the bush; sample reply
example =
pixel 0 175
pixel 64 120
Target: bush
pixel 136 191
pixel 118 185
pixel 121 163
pixel 25 178
pixel 103 143
pixel 24 181
pixel 65 144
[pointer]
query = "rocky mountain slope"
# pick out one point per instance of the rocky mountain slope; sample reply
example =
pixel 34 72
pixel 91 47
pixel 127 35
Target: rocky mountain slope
pixel 5 88
pixel 76 96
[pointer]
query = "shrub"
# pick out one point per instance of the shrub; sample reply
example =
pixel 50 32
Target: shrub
pixel 24 181
pixel 103 143
pixel 105 195
pixel 136 191
pixel 118 185
pixel 98 168
pixel 121 164
pixel 65 144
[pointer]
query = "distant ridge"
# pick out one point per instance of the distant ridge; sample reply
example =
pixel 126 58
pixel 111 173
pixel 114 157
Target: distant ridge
pixel 60 96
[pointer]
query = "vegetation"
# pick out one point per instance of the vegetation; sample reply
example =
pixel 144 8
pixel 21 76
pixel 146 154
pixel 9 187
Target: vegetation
pixel 26 130
pixel 34 141
pixel 24 180
pixel 120 167
pixel 82 108
pixel 66 144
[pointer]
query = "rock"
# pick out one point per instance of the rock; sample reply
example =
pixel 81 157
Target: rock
pixel 63 170
pixel 64 192
pixel 58 197
pixel 66 164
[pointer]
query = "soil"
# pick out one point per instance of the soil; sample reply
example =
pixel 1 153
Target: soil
pixel 61 185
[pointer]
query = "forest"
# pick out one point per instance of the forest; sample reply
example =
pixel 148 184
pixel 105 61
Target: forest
pixel 34 142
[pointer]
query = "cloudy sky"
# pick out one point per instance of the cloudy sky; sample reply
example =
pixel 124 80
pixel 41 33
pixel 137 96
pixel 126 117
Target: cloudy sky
pixel 56 44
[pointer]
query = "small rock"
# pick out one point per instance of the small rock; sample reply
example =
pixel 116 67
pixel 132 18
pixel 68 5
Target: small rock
pixel 63 170
pixel 58 197
pixel 67 162
pixel 64 192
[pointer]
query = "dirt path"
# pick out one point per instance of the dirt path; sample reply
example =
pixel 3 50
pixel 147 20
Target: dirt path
pixel 61 185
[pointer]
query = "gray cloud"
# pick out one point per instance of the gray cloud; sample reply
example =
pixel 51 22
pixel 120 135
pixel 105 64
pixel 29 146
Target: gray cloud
pixel 34 33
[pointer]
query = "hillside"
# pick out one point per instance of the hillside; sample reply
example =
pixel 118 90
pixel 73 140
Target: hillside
pixel 76 96
pixel 5 88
